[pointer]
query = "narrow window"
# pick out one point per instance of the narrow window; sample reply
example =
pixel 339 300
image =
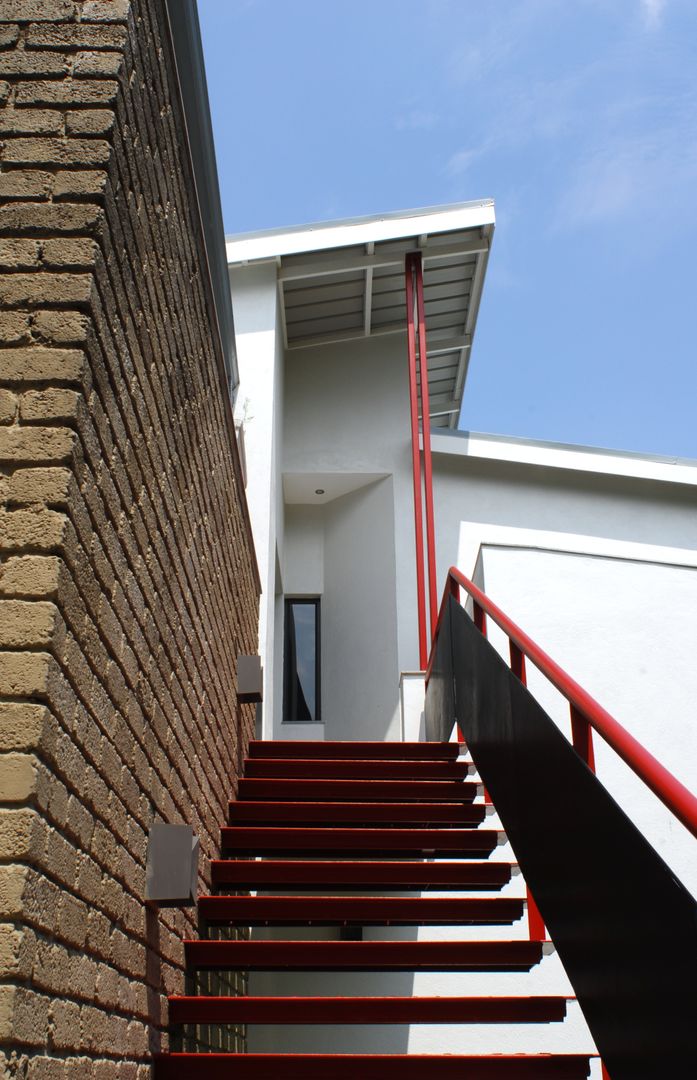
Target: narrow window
pixel 301 684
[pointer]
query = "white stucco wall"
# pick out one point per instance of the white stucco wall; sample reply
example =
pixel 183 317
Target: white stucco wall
pixel 259 341
pixel 361 667
pixel 347 411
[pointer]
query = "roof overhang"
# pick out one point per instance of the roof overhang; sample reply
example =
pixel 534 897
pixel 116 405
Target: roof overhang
pixel 344 281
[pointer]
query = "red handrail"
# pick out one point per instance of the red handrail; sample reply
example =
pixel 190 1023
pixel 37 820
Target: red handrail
pixel 679 800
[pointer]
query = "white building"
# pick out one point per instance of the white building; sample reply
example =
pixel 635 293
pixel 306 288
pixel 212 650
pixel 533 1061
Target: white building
pixel 592 552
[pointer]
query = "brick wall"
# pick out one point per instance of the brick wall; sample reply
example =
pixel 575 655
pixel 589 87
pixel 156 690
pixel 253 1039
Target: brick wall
pixel 127 580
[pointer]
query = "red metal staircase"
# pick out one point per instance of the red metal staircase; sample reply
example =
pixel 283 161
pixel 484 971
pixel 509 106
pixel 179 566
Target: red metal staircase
pixel 324 818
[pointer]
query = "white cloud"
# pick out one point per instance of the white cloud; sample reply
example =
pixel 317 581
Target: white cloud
pixel 650 174
pixel 652 11
pixel 460 161
pixel 417 120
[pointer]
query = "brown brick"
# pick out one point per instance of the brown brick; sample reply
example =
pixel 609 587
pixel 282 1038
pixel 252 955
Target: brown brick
pixel 62 328
pixel 98 63
pixel 88 183
pixel 39 364
pixel 17 944
pixel 4 92
pixel 75 36
pixel 30 121
pixel 18 777
pixel 8 406
pixel 14 329
pixel 7 1003
pixel 35 217
pixel 23 836
pixel 67 92
pixel 8 36
pixel 106 10
pixel 50 404
pixel 21 62
pixel 65 1024
pixel 42 530
pixel 18 254
pixel 45 288
pixel 69 151
pixel 26 624
pixel 39 486
pixel 89 121
pixel 25 184
pixel 24 674
pixel 73 252
pixel 23 11
pixel 36 444
pixel 21 726
pixel 29 1015
pixel 14 880
pixel 30 575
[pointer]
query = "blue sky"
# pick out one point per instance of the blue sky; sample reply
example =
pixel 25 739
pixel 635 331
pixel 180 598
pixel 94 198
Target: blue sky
pixel 579 117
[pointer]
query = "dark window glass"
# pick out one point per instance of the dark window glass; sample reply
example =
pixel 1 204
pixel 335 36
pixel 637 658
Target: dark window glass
pixel 301 687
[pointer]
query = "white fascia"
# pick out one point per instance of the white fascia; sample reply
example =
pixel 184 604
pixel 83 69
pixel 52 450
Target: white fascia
pixel 588 459
pixel 274 243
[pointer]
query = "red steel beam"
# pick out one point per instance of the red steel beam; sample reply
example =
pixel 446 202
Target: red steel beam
pixel 426 435
pixel 416 468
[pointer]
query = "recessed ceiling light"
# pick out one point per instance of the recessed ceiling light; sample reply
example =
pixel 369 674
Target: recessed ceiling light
pixel 319 491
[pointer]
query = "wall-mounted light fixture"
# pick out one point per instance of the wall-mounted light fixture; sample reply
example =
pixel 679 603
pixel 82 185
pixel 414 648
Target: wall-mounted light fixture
pixel 172 866
pixel 249 680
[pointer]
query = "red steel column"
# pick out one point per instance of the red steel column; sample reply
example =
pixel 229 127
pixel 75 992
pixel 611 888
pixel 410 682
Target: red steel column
pixel 426 433
pixel 416 467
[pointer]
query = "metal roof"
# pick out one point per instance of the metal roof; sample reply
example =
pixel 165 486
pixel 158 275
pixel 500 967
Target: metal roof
pixel 344 281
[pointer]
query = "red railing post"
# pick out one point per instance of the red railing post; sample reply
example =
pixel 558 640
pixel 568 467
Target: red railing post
pixel 518 662
pixel 416 467
pixel 479 617
pixel 582 737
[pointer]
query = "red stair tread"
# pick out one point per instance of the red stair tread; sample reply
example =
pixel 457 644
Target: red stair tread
pixel 419 751
pixel 366 911
pixel 358 790
pixel 438 841
pixel 369 813
pixel 370 1067
pixel 365 1010
pixel 330 811
pixel 363 955
pixel 318 874
pixel 321 769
